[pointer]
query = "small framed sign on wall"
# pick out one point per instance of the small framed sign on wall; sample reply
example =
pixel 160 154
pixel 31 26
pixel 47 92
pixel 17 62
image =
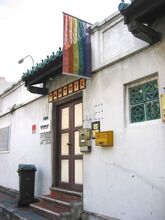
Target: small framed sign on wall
pixel 95 128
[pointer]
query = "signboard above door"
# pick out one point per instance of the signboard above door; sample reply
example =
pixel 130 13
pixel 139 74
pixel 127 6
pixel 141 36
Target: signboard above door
pixel 66 90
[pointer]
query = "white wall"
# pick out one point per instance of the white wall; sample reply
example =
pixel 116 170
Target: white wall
pixel 25 147
pixel 16 95
pixel 112 41
pixel 126 181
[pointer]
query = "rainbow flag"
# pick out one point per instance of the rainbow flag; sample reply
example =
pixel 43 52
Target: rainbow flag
pixel 76 47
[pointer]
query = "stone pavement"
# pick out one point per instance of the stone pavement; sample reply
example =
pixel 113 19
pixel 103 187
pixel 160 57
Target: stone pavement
pixel 9 209
pixel 2 217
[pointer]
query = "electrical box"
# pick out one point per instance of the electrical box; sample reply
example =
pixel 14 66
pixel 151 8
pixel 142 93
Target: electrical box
pixel 104 138
pixel 85 139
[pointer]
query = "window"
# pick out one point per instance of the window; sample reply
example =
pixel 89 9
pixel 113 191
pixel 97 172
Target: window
pixel 4 139
pixel 144 102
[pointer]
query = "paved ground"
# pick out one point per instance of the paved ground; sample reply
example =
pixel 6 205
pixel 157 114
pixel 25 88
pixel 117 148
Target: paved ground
pixel 2 217
pixel 8 207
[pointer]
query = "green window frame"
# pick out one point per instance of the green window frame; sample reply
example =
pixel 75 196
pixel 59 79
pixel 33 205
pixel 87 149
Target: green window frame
pixel 144 102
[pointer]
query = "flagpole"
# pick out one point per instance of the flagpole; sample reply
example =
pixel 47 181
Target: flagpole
pixel 77 76
pixel 76 18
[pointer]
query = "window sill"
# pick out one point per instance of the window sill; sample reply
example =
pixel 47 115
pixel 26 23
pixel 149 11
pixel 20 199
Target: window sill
pixel 145 123
pixel 4 152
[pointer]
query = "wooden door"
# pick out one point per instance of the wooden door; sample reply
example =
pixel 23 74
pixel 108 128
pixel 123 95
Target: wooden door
pixel 70 162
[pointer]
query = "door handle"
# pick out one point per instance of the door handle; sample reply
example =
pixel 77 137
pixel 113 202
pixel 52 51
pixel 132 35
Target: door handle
pixel 68 144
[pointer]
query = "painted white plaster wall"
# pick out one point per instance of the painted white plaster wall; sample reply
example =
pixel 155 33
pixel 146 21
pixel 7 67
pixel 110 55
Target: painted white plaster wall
pixel 112 41
pixel 126 181
pixel 25 147
pixel 16 95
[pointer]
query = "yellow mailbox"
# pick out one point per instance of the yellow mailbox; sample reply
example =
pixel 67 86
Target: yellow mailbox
pixel 104 138
pixel 163 106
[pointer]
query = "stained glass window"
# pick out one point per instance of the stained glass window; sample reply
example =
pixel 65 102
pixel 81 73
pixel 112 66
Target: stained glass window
pixel 144 102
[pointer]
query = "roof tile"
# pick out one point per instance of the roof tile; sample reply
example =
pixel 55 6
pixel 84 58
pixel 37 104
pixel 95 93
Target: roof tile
pixel 42 65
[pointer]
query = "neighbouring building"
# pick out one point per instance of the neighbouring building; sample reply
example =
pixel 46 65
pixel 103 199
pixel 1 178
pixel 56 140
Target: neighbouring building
pixel 125 181
pixel 4 84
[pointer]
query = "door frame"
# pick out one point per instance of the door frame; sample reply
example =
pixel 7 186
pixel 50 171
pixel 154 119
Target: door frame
pixel 55 138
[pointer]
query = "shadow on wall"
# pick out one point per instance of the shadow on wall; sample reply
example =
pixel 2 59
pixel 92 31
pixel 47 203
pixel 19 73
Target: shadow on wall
pixel 39 182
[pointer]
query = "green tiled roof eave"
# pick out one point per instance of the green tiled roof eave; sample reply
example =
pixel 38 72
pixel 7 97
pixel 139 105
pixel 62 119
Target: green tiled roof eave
pixel 43 65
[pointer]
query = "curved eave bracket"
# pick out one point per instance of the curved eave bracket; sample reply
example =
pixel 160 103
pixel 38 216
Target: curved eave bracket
pixel 144 32
pixel 37 90
pixel 139 16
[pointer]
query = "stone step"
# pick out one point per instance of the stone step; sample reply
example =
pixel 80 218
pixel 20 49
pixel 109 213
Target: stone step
pixel 51 199
pixel 65 197
pixel 72 199
pixel 51 211
pixel 68 192
pixel 61 204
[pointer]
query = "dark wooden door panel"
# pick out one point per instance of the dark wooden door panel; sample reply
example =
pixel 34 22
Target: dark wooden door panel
pixel 70 158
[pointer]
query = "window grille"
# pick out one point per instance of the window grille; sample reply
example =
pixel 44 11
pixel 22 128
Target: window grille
pixel 144 102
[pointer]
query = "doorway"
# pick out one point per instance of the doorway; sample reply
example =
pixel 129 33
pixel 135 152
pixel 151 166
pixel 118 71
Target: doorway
pixel 69 159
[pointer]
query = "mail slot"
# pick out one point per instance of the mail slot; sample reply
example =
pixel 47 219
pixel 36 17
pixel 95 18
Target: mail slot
pixel 104 138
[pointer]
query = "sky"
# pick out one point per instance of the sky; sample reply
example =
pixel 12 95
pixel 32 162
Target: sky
pixel 35 27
